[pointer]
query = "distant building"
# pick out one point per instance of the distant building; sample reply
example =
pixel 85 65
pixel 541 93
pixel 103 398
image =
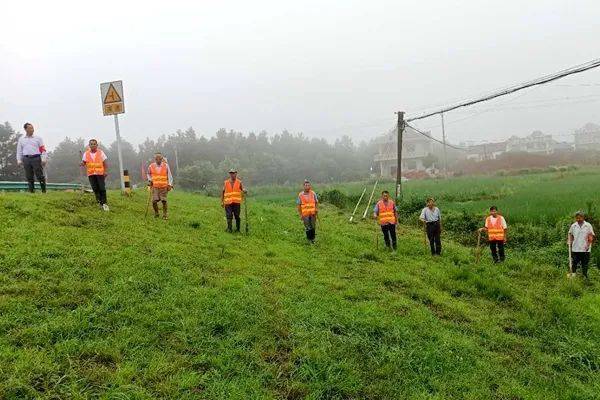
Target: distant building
pixel 588 137
pixel 486 151
pixel 562 147
pixel 537 143
pixel 415 149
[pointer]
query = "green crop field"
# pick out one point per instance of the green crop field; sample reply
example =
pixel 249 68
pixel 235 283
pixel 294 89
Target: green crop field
pixel 541 198
pixel 115 306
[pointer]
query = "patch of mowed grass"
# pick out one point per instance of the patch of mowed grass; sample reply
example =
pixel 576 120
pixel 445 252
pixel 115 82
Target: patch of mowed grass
pixel 113 305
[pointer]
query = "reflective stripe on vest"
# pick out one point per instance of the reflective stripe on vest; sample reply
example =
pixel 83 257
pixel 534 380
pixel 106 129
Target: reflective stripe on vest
pixel 495 231
pixel 232 192
pixel 94 163
pixel 308 203
pixel 159 175
pixel 387 213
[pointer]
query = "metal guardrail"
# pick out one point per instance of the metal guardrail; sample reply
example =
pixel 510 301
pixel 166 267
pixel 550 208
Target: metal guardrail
pixel 22 186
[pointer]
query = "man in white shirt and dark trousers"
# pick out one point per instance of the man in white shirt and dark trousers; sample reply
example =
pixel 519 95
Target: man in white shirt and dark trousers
pixel 432 218
pixel 31 153
pixel 581 237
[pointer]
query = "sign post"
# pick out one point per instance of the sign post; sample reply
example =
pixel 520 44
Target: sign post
pixel 113 103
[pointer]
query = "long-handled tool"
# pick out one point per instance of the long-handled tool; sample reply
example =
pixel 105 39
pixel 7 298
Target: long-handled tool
pixel 370 200
pixel 148 203
pixel 246 226
pixel 357 204
pixel 81 170
pixel 570 274
pixel 478 249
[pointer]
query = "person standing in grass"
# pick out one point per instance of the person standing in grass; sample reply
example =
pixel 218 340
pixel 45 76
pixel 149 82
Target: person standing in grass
pixel 496 228
pixel 31 154
pixel 387 216
pixel 432 218
pixel 94 161
pixel 231 200
pixel 581 237
pixel 160 181
pixel 308 209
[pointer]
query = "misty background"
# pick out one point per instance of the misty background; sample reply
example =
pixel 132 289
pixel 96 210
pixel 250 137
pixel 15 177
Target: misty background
pixel 331 70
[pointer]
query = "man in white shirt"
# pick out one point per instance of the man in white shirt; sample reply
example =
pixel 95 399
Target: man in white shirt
pixel 581 237
pixel 497 230
pixel 432 218
pixel 31 153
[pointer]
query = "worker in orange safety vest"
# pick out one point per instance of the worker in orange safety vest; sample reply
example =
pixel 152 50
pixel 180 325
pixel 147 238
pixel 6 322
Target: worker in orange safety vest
pixel 160 181
pixel 94 160
pixel 385 212
pixel 231 199
pixel 497 230
pixel 307 204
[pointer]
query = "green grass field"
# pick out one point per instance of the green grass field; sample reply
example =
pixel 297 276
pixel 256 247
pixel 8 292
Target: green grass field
pixel 115 306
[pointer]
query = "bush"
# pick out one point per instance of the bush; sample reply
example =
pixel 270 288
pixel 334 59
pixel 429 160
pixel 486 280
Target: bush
pixel 335 197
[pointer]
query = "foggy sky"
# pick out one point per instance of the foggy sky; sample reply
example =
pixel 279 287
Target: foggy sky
pixel 325 68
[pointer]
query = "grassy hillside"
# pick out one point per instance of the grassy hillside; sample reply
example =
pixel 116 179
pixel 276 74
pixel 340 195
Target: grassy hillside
pixel 110 305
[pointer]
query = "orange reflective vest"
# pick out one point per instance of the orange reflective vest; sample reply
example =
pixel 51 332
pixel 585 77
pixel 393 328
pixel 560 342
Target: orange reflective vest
pixel 232 192
pixel 387 212
pixel 308 203
pixel 495 231
pixel 94 162
pixel 159 175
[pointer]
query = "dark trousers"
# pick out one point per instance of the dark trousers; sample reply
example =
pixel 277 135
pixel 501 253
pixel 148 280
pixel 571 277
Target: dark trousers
pixel 33 166
pixel 434 234
pixel 497 248
pixel 389 235
pixel 99 187
pixel 581 258
pixel 233 211
pixel 310 226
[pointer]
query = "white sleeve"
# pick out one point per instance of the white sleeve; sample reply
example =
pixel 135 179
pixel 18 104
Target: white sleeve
pixel 592 230
pixel 422 216
pixel 104 156
pixel 571 230
pixel 83 156
pixel 503 223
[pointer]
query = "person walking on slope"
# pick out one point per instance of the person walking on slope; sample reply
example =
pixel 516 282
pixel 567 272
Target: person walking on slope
pixel 31 153
pixel 387 216
pixel 581 237
pixel 94 161
pixel 308 209
pixel 160 181
pixel 432 218
pixel 231 200
pixel 496 228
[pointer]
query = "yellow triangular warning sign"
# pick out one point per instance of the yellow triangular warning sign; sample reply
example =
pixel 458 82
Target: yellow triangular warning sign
pixel 112 96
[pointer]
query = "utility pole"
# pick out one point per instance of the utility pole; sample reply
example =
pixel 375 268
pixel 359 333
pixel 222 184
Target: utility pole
pixel 399 153
pixel 444 140
pixel 119 153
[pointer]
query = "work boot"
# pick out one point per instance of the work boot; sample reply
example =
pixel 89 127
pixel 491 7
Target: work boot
pixel 43 185
pixel 165 211
pixel 30 187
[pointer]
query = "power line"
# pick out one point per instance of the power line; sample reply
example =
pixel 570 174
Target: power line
pixel 434 139
pixel 515 88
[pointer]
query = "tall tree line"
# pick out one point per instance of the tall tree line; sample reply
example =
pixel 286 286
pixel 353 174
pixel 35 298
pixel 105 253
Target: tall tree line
pixel 261 158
